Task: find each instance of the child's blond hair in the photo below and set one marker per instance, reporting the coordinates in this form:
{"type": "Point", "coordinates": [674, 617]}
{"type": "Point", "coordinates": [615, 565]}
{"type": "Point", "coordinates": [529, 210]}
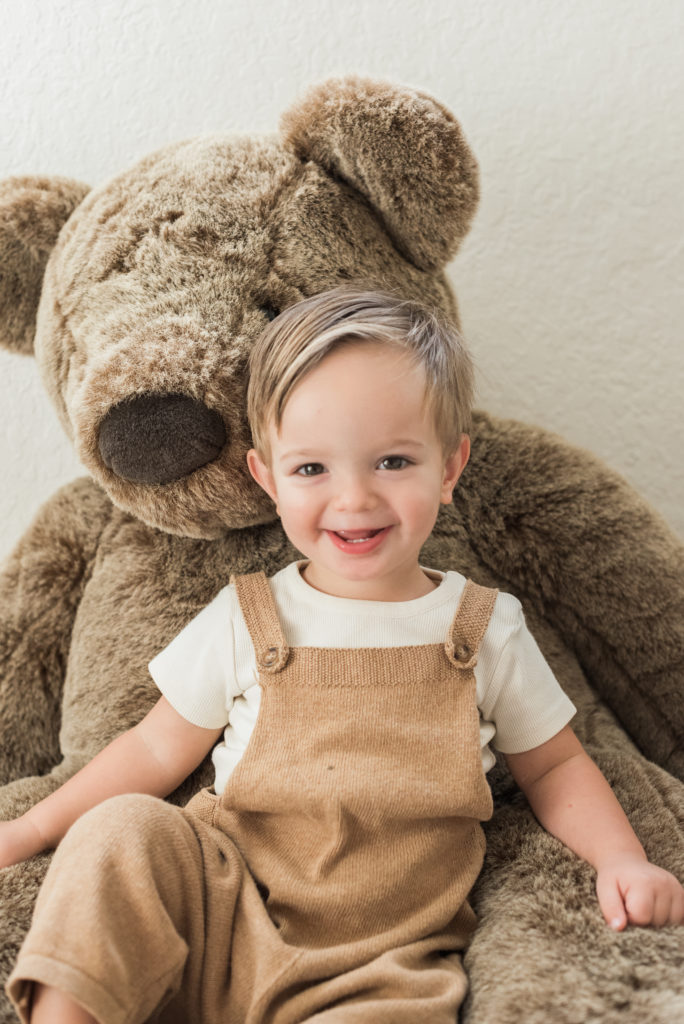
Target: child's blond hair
{"type": "Point", "coordinates": [299, 338]}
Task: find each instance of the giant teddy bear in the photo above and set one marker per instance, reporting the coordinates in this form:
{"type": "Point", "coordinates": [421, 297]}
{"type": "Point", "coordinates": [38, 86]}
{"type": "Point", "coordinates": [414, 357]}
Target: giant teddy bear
{"type": "Point", "coordinates": [140, 300]}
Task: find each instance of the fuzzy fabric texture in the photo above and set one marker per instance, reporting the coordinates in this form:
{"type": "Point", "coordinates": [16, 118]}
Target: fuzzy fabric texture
{"type": "Point", "coordinates": [153, 287]}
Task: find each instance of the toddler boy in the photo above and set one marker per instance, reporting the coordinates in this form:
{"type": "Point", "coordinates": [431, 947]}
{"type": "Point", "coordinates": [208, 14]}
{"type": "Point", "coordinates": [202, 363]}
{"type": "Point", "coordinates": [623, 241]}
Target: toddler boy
{"type": "Point", "coordinates": [354, 697]}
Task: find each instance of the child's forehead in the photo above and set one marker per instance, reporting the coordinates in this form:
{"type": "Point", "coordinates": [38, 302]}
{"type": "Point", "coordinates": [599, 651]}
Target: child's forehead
{"type": "Point", "coordinates": [363, 376]}
{"type": "Point", "coordinates": [359, 366]}
{"type": "Point", "coordinates": [362, 384]}
{"type": "Point", "coordinates": [353, 402]}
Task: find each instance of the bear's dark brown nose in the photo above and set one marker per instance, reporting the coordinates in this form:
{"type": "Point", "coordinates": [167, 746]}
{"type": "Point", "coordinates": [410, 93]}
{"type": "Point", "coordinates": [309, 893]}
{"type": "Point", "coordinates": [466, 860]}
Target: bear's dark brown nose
{"type": "Point", "coordinates": [156, 439]}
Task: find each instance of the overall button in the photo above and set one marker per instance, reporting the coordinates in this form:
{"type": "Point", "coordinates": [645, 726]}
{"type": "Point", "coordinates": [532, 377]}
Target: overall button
{"type": "Point", "coordinates": [269, 656]}
{"type": "Point", "coordinates": [272, 659]}
{"type": "Point", "coordinates": [460, 654]}
{"type": "Point", "coordinates": [463, 653]}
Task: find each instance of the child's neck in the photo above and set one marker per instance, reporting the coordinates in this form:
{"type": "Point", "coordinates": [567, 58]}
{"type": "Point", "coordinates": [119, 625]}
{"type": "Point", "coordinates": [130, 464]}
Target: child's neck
{"type": "Point", "coordinates": [404, 587]}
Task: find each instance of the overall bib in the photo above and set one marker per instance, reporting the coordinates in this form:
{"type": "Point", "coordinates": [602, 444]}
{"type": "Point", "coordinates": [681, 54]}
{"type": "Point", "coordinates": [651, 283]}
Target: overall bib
{"type": "Point", "coordinates": [328, 882]}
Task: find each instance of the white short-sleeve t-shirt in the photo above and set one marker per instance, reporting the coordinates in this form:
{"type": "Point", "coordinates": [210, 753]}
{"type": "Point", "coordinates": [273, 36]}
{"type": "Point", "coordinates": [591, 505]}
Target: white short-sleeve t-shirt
{"type": "Point", "coordinates": [208, 673]}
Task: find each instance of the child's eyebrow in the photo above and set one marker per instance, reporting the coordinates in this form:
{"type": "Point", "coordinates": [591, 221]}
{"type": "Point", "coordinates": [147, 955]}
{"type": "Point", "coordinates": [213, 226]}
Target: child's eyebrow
{"type": "Point", "coordinates": [299, 453]}
{"type": "Point", "coordinates": [405, 443]}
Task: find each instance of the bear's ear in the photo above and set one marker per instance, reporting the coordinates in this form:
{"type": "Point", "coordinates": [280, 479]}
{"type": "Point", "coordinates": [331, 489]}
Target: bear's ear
{"type": "Point", "coordinates": [402, 150]}
{"type": "Point", "coordinates": [32, 213]}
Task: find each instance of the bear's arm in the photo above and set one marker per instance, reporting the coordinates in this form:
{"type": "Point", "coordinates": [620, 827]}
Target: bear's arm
{"type": "Point", "coordinates": [570, 535]}
{"type": "Point", "coordinates": [41, 585]}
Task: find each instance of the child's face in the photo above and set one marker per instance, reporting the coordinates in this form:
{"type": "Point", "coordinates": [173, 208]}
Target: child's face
{"type": "Point", "coordinates": [357, 472]}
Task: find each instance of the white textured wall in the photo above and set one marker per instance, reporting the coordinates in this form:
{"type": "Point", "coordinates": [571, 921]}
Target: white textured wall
{"type": "Point", "coordinates": [571, 281]}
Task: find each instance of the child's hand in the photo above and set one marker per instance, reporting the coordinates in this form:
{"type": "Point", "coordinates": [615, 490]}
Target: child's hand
{"type": "Point", "coordinates": [573, 801]}
{"type": "Point", "coordinates": [19, 839]}
{"type": "Point", "coordinates": [631, 890]}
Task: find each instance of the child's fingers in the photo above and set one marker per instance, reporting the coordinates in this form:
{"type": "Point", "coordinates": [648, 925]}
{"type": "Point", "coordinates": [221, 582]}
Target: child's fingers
{"type": "Point", "coordinates": [640, 905]}
{"type": "Point", "coordinates": [662, 906]}
{"type": "Point", "coordinates": [611, 903]}
{"type": "Point", "coordinates": [677, 908]}
{"type": "Point", "coordinates": [673, 906]}
{"type": "Point", "coordinates": [640, 895]}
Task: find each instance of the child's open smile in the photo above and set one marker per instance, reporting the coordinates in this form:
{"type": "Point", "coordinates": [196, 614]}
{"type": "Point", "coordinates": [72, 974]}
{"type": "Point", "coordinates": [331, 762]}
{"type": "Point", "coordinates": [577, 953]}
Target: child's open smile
{"type": "Point", "coordinates": [358, 542]}
{"type": "Point", "coordinates": [358, 472]}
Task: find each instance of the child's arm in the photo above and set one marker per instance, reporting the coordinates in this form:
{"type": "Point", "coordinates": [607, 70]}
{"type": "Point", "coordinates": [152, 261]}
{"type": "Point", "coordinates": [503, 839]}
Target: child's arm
{"type": "Point", "coordinates": [573, 801]}
{"type": "Point", "coordinates": [154, 757]}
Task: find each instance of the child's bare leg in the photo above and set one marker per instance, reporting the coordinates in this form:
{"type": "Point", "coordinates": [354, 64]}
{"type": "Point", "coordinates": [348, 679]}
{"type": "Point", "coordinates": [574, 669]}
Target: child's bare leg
{"type": "Point", "coordinates": [50, 1006]}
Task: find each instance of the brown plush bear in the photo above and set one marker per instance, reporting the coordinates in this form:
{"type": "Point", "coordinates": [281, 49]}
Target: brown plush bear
{"type": "Point", "coordinates": [141, 300]}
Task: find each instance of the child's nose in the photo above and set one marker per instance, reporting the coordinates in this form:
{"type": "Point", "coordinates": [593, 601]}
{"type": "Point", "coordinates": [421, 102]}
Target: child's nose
{"type": "Point", "coordinates": [355, 495]}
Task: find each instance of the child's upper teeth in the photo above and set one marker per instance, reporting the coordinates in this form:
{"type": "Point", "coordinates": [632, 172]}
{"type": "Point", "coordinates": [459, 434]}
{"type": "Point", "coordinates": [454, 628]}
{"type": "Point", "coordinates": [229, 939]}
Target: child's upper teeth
{"type": "Point", "coordinates": [347, 535]}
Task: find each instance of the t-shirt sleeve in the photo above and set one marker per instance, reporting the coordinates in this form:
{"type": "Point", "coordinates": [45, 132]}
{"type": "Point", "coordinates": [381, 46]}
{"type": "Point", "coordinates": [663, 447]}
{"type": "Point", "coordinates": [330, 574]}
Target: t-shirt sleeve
{"type": "Point", "coordinates": [196, 671]}
{"type": "Point", "coordinates": [524, 700]}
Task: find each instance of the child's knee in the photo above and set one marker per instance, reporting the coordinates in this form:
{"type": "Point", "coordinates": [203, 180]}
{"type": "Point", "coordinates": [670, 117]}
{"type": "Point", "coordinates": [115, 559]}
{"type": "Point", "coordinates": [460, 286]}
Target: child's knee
{"type": "Point", "coordinates": [121, 823]}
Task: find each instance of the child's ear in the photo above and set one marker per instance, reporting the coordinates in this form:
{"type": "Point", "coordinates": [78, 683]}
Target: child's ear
{"type": "Point", "coordinates": [453, 467]}
{"type": "Point", "coordinates": [261, 473]}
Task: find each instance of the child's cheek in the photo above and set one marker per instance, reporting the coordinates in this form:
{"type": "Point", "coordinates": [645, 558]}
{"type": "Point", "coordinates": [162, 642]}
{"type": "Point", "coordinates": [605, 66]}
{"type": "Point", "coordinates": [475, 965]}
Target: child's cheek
{"type": "Point", "coordinates": [300, 499]}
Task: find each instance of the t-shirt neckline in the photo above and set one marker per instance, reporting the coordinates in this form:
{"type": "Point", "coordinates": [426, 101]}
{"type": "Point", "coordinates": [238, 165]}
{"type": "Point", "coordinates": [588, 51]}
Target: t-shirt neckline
{"type": "Point", "coordinates": [301, 590]}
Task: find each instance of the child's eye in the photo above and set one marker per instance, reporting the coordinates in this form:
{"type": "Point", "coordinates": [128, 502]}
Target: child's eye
{"type": "Point", "coordinates": [393, 462]}
{"type": "Point", "coordinates": [310, 469]}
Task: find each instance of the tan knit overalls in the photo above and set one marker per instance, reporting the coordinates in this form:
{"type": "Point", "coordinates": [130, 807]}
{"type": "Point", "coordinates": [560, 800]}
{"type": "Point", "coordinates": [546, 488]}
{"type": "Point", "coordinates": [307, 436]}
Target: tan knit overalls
{"type": "Point", "coordinates": [328, 883]}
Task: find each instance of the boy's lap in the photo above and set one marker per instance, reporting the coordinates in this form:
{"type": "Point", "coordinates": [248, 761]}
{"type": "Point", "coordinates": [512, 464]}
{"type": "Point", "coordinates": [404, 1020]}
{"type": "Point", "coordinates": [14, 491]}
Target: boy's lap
{"type": "Point", "coordinates": [237, 961]}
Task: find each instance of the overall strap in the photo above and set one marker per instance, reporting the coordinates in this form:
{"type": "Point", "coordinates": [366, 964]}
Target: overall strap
{"type": "Point", "coordinates": [261, 618]}
{"type": "Point", "coordinates": [469, 625]}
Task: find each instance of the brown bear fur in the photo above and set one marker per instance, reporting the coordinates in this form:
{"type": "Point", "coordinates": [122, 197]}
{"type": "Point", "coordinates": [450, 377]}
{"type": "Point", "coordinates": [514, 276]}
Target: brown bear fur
{"type": "Point", "coordinates": [156, 284]}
